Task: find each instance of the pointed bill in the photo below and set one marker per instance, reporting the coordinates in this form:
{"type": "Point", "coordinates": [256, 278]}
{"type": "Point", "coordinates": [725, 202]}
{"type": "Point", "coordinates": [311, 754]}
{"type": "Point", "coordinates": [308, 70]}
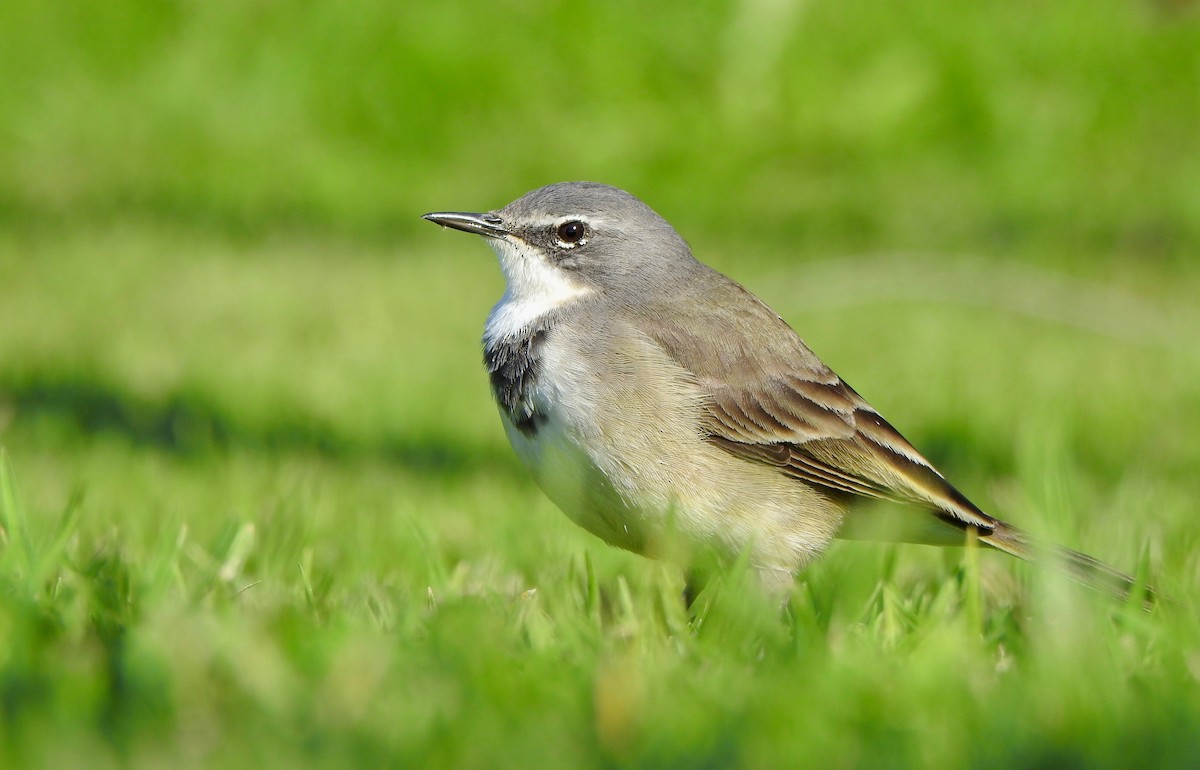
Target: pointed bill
{"type": "Point", "coordinates": [487, 225]}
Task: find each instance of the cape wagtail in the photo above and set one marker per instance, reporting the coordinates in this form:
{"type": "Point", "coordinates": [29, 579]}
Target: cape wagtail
{"type": "Point", "coordinates": [669, 411]}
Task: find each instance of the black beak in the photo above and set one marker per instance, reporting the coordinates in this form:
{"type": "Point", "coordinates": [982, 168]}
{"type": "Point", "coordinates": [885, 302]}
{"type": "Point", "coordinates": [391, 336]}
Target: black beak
{"type": "Point", "coordinates": [487, 225]}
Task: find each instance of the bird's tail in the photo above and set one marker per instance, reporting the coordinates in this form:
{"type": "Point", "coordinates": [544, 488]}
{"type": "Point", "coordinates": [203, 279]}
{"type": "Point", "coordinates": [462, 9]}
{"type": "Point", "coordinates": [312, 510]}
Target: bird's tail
{"type": "Point", "coordinates": [1080, 567]}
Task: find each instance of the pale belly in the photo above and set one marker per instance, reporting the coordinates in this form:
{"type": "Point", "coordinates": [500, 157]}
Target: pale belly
{"type": "Point", "coordinates": [580, 486]}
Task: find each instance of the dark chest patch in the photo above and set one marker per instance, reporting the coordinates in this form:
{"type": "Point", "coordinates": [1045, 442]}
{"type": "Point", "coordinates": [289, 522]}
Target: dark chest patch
{"type": "Point", "coordinates": [513, 364]}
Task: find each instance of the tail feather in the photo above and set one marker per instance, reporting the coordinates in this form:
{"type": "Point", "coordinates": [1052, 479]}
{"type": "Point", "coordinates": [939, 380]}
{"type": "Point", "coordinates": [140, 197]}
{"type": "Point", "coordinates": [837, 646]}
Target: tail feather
{"type": "Point", "coordinates": [1080, 567]}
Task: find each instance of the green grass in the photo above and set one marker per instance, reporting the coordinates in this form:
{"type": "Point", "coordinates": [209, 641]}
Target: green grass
{"type": "Point", "coordinates": [256, 507]}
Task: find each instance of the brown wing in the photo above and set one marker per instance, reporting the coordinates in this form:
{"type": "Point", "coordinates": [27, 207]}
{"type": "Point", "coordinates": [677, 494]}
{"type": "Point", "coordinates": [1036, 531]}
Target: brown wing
{"type": "Point", "coordinates": [826, 434]}
{"type": "Point", "coordinates": [769, 399]}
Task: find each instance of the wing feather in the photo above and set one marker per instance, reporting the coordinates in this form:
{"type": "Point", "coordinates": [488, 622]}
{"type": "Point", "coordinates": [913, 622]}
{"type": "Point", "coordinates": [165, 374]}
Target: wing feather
{"type": "Point", "coordinates": [775, 402]}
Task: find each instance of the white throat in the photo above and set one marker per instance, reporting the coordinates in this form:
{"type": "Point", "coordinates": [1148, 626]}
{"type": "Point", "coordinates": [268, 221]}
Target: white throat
{"type": "Point", "coordinates": [532, 289]}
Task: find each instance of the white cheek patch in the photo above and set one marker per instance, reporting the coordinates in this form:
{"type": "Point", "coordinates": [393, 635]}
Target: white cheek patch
{"type": "Point", "coordinates": [533, 288]}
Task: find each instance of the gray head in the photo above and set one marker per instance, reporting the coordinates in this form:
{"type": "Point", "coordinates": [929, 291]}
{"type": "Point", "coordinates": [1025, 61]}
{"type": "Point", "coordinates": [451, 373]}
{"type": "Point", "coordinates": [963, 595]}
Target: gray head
{"type": "Point", "coordinates": [574, 237]}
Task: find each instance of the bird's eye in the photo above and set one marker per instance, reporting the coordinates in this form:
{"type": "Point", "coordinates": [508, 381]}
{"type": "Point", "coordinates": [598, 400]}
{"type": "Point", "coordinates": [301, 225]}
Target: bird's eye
{"type": "Point", "coordinates": [572, 232]}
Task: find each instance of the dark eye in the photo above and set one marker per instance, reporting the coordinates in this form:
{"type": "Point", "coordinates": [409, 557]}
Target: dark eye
{"type": "Point", "coordinates": [572, 232]}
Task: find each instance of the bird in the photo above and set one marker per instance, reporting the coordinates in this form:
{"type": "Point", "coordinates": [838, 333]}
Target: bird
{"type": "Point", "coordinates": [670, 412]}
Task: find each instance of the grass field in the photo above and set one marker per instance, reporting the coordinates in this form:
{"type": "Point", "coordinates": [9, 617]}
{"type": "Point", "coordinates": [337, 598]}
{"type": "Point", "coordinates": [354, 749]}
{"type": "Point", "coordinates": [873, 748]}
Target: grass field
{"type": "Point", "coordinates": [257, 509]}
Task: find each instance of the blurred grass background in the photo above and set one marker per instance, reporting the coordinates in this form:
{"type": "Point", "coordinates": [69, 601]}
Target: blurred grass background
{"type": "Point", "coordinates": [257, 507]}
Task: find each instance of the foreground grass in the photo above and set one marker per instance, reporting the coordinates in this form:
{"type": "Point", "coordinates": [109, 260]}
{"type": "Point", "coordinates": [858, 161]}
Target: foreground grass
{"type": "Point", "coordinates": [305, 613]}
{"type": "Point", "coordinates": [238, 533]}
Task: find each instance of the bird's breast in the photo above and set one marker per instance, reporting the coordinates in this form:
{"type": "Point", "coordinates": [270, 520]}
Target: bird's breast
{"type": "Point", "coordinates": [547, 395]}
